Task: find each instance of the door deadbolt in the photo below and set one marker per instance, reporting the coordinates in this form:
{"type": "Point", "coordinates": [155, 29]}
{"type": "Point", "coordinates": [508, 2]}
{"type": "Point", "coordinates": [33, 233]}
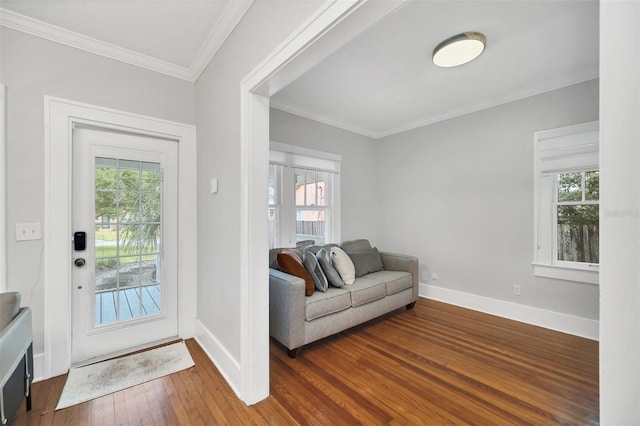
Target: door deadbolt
{"type": "Point", "coordinates": [79, 262]}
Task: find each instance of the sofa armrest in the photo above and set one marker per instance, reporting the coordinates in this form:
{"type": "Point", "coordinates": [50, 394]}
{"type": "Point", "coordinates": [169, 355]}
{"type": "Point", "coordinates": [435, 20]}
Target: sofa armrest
{"type": "Point", "coordinates": [403, 262]}
{"type": "Point", "coordinates": [286, 308]}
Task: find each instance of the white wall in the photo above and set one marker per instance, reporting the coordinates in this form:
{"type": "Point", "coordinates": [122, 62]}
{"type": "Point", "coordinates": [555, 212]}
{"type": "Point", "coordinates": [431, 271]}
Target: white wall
{"type": "Point", "coordinates": [620, 213]}
{"type": "Point", "coordinates": [359, 185]}
{"type": "Point", "coordinates": [262, 29]}
{"type": "Point", "coordinates": [459, 195]}
{"type": "Point", "coordinates": [31, 68]}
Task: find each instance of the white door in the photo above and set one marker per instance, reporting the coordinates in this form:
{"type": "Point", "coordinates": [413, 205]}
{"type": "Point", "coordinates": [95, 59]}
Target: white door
{"type": "Point", "coordinates": [125, 276]}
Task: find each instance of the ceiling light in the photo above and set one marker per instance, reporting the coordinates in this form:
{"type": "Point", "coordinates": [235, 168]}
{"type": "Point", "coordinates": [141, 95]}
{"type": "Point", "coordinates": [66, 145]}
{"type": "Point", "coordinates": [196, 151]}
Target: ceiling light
{"type": "Point", "coordinates": [459, 49]}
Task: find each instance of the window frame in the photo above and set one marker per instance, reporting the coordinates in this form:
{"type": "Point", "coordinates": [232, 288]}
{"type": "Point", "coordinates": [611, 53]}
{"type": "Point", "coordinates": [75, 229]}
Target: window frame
{"type": "Point", "coordinates": [291, 157]}
{"type": "Point", "coordinates": [545, 251]}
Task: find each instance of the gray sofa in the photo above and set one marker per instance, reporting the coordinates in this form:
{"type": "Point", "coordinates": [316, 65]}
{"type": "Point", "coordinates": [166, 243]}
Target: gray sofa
{"type": "Point", "coordinates": [296, 320]}
{"type": "Point", "coordinates": [16, 356]}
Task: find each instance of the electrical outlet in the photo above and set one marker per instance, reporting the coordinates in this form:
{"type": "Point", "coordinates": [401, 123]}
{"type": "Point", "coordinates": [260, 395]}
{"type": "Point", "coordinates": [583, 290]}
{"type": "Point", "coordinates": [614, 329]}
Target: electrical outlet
{"type": "Point", "coordinates": [516, 289]}
{"type": "Point", "coordinates": [434, 276]}
{"type": "Point", "coordinates": [28, 231]}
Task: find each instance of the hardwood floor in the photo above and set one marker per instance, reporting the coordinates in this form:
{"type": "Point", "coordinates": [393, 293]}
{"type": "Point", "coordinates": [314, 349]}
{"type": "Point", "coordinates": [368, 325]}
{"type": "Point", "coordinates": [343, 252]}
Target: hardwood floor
{"type": "Point", "coordinates": [435, 364]}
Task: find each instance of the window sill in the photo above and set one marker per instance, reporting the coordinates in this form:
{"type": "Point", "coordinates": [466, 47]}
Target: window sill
{"type": "Point", "coordinates": [564, 273]}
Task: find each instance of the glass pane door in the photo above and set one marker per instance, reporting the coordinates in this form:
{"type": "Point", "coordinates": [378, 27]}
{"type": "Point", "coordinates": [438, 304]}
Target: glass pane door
{"type": "Point", "coordinates": [127, 239]}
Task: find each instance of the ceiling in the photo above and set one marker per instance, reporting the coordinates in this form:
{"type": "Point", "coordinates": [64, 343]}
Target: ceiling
{"type": "Point", "coordinates": [380, 83]}
{"type": "Point", "coordinates": [175, 37]}
{"type": "Point", "coordinates": [383, 82]}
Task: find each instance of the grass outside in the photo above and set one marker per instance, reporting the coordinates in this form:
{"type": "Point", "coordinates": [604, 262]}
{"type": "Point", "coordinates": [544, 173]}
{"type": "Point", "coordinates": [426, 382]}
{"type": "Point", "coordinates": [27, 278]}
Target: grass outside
{"type": "Point", "coordinates": [106, 235]}
{"type": "Point", "coordinates": [106, 257]}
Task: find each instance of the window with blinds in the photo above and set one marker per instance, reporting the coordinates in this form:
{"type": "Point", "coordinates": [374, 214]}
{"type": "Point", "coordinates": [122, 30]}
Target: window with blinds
{"type": "Point", "coordinates": [567, 199]}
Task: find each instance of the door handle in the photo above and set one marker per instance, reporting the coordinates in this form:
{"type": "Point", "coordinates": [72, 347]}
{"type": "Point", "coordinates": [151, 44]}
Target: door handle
{"type": "Point", "coordinates": [79, 262]}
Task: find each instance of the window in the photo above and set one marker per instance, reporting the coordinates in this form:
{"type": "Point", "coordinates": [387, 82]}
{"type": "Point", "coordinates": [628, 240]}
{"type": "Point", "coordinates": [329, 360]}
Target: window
{"type": "Point", "coordinates": [567, 199]}
{"type": "Point", "coordinates": [304, 188]}
{"type": "Point", "coordinates": [275, 205]}
{"type": "Point", "coordinates": [577, 223]}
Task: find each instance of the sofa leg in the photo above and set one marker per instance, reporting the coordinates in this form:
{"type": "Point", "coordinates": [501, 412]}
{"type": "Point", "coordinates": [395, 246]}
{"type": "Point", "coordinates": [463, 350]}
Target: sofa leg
{"type": "Point", "coordinates": [293, 353]}
{"type": "Point", "coordinates": [411, 305]}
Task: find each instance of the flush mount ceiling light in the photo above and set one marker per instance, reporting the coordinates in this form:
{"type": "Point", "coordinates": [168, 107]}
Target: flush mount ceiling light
{"type": "Point", "coordinates": [459, 49]}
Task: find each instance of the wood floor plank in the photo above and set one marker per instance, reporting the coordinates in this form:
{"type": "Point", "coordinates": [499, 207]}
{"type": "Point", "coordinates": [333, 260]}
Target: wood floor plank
{"type": "Point", "coordinates": [329, 382]}
{"type": "Point", "coordinates": [434, 364]}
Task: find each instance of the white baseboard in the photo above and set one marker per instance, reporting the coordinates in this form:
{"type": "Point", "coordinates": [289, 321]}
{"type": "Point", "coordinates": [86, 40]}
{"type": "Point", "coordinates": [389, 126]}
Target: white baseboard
{"type": "Point", "coordinates": [227, 365]}
{"type": "Point", "coordinates": [38, 367]}
{"type": "Point", "coordinates": [565, 323]}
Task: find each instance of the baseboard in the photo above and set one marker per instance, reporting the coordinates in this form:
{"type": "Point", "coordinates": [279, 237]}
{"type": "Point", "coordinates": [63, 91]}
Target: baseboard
{"type": "Point", "coordinates": [38, 367]}
{"type": "Point", "coordinates": [220, 356]}
{"type": "Point", "coordinates": [565, 323]}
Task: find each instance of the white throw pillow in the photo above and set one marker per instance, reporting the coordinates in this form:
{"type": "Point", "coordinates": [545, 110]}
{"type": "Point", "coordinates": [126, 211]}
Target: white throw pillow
{"type": "Point", "coordinates": [343, 264]}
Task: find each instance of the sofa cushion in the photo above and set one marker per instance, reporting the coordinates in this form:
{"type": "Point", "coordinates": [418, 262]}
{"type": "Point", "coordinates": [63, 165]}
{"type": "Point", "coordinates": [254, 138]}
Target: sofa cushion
{"type": "Point", "coordinates": [356, 245]}
{"type": "Point", "coordinates": [343, 265]}
{"type": "Point", "coordinates": [396, 281]}
{"type": "Point", "coordinates": [321, 304]}
{"type": "Point", "coordinates": [289, 262]}
{"type": "Point", "coordinates": [9, 307]}
{"type": "Point", "coordinates": [304, 243]}
{"type": "Point", "coordinates": [313, 268]}
{"type": "Point", "coordinates": [366, 261]}
{"type": "Point", "coordinates": [324, 259]}
{"type": "Point", "coordinates": [365, 290]}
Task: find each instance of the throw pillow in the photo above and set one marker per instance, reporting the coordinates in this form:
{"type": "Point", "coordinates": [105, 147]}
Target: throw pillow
{"type": "Point", "coordinates": [313, 268]}
{"type": "Point", "coordinates": [343, 265]}
{"type": "Point", "coordinates": [290, 263]}
{"type": "Point", "coordinates": [366, 261]}
{"type": "Point", "coordinates": [324, 259]}
{"type": "Point", "coordinates": [273, 253]}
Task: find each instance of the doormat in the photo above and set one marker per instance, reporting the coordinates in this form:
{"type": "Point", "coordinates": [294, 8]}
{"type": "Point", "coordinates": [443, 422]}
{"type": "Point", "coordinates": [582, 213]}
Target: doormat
{"type": "Point", "coordinates": [102, 378]}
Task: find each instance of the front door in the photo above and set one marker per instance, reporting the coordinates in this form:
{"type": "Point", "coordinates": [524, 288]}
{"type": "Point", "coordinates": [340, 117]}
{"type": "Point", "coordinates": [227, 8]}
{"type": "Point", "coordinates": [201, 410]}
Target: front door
{"type": "Point", "coordinates": [125, 237]}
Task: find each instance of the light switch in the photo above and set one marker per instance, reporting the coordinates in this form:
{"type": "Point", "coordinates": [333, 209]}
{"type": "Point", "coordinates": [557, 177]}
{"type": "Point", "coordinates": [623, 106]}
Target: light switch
{"type": "Point", "coordinates": [214, 185]}
{"type": "Point", "coordinates": [28, 231]}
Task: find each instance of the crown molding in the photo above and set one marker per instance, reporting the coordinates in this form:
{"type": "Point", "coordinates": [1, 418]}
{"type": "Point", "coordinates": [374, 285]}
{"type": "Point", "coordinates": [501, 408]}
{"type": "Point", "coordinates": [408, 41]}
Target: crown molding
{"type": "Point", "coordinates": [321, 119]}
{"type": "Point", "coordinates": [60, 35]}
{"type": "Point", "coordinates": [232, 14]}
{"type": "Point", "coordinates": [523, 94]}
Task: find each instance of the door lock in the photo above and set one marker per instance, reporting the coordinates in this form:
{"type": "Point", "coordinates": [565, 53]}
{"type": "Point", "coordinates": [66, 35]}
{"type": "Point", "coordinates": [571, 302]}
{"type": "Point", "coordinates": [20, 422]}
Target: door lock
{"type": "Point", "coordinates": [79, 262]}
{"type": "Point", "coordinates": [79, 241]}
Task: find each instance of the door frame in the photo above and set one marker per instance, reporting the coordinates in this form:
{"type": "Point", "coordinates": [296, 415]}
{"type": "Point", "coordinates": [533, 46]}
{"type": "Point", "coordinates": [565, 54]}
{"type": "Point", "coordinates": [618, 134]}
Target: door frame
{"type": "Point", "coordinates": [60, 117]}
{"type": "Point", "coordinates": [3, 189]}
{"type": "Point", "coordinates": [331, 26]}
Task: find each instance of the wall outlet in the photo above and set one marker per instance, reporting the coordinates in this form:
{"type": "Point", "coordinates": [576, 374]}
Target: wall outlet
{"type": "Point", "coordinates": [516, 289]}
{"type": "Point", "coordinates": [28, 231]}
{"type": "Point", "coordinates": [434, 276]}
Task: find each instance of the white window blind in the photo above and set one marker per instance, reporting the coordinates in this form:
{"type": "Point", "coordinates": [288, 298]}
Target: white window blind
{"type": "Point", "coordinates": [572, 152]}
{"type": "Point", "coordinates": [303, 158]}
